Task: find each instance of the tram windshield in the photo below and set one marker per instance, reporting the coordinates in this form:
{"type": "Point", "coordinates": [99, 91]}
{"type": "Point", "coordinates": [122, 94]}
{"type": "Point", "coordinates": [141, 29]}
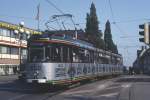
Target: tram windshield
{"type": "Point", "coordinates": [45, 54]}
{"type": "Point", "coordinates": [55, 53]}
{"type": "Point", "coordinates": [36, 54]}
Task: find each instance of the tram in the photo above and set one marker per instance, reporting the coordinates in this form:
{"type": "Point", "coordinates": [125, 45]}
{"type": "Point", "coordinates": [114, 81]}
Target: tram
{"type": "Point", "coordinates": [60, 60]}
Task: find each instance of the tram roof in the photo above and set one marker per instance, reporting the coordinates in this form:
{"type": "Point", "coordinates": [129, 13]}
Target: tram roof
{"type": "Point", "coordinates": [75, 42]}
{"type": "Point", "coordinates": [69, 41]}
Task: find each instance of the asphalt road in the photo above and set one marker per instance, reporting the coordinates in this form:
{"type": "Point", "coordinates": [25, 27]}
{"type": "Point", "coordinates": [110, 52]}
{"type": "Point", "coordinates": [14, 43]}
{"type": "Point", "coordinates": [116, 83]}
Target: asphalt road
{"type": "Point", "coordinates": [13, 89]}
{"type": "Point", "coordinates": [122, 88]}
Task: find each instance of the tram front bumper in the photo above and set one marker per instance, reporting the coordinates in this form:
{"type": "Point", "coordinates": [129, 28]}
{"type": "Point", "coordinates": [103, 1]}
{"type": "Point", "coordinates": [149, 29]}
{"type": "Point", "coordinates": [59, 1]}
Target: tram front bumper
{"type": "Point", "coordinates": [36, 80]}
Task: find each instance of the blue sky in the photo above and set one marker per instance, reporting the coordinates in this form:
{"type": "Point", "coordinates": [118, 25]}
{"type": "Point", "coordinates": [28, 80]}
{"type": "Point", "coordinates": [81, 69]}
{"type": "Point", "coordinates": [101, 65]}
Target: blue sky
{"type": "Point", "coordinates": [128, 14]}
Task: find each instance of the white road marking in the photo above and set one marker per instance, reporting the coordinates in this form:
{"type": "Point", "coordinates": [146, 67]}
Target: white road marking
{"type": "Point", "coordinates": [80, 96]}
{"type": "Point", "coordinates": [100, 87]}
{"type": "Point", "coordinates": [109, 95]}
{"type": "Point", "coordinates": [114, 87]}
{"type": "Point", "coordinates": [76, 92]}
{"type": "Point", "coordinates": [17, 97]}
{"type": "Point", "coordinates": [104, 95]}
{"type": "Point", "coordinates": [126, 85]}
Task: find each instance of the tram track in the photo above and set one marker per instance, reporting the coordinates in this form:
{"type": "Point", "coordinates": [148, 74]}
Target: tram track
{"type": "Point", "coordinates": [78, 85]}
{"type": "Point", "coordinates": [18, 90]}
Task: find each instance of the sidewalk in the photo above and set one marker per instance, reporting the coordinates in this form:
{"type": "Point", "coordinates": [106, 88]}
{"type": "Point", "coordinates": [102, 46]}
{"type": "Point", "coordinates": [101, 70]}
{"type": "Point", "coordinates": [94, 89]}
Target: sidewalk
{"type": "Point", "coordinates": [140, 91]}
{"type": "Point", "coordinates": [8, 78]}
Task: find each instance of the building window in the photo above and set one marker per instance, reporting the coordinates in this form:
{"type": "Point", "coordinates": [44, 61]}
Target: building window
{"type": "Point", "coordinates": [13, 34]}
{"type": "Point", "coordinates": [1, 31]}
{"type": "Point", "coordinates": [24, 52]}
{"type": "Point", "coordinates": [14, 51]}
{"type": "Point", "coordinates": [6, 32]}
{"type": "Point", "coordinates": [4, 50]}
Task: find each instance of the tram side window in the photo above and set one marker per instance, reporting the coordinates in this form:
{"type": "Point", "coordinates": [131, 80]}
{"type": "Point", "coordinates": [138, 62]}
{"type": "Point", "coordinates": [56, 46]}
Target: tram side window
{"type": "Point", "coordinates": [55, 54]}
{"type": "Point", "coordinates": [75, 55]}
{"type": "Point", "coordinates": [48, 53]}
{"type": "Point", "coordinates": [70, 55]}
{"type": "Point", "coordinates": [78, 55]}
{"type": "Point", "coordinates": [91, 57]}
{"type": "Point", "coordinates": [65, 54]}
{"type": "Point", "coordinates": [86, 58]}
{"type": "Point", "coordinates": [82, 55]}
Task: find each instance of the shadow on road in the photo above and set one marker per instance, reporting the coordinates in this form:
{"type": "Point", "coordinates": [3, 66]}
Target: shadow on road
{"type": "Point", "coordinates": [23, 87]}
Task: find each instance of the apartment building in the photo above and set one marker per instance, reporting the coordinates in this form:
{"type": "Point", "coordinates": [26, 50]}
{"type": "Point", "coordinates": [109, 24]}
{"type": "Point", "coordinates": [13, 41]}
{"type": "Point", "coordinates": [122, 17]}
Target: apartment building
{"type": "Point", "coordinates": [12, 45]}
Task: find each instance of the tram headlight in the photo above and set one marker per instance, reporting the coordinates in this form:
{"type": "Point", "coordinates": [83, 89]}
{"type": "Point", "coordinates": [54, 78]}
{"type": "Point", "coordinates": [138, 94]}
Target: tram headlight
{"type": "Point", "coordinates": [44, 77]}
{"type": "Point", "coordinates": [36, 73]}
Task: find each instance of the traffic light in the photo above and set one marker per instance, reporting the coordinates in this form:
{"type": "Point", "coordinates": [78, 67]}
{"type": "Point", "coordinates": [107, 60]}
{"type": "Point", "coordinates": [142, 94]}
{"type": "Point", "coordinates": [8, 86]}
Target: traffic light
{"type": "Point", "coordinates": [145, 33]}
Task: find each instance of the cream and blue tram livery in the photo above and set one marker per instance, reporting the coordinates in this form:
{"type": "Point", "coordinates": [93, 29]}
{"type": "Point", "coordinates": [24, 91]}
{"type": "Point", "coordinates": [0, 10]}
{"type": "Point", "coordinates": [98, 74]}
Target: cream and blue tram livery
{"type": "Point", "coordinates": [58, 60]}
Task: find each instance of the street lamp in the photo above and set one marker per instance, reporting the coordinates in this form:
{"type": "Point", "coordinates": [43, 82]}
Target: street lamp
{"type": "Point", "coordinates": [20, 31]}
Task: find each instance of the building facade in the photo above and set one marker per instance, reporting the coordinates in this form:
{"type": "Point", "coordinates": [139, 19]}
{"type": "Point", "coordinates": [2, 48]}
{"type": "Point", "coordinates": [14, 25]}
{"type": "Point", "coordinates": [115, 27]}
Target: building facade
{"type": "Point", "coordinates": [12, 45]}
{"type": "Point", "coordinates": [142, 63]}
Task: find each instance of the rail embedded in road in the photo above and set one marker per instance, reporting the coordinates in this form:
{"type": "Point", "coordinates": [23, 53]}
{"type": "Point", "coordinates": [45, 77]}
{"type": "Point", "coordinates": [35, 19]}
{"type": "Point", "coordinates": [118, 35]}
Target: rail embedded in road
{"type": "Point", "coordinates": [135, 78]}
